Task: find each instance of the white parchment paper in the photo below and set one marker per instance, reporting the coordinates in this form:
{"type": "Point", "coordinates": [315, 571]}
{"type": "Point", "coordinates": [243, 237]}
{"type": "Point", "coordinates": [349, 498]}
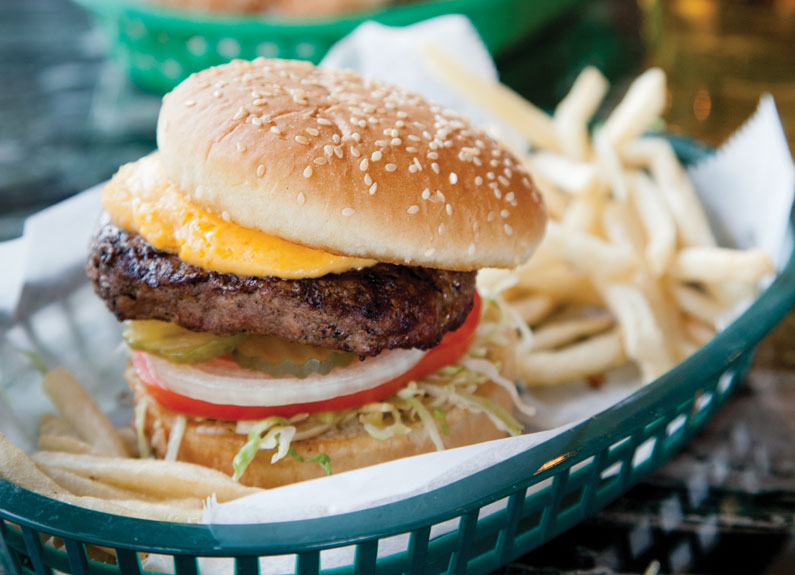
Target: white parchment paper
{"type": "Point", "coordinates": [747, 187]}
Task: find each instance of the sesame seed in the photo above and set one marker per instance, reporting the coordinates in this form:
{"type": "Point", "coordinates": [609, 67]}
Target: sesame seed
{"type": "Point", "coordinates": [308, 172]}
{"type": "Point", "coordinates": [413, 169]}
{"type": "Point", "coordinates": [336, 138]}
{"type": "Point", "coordinates": [503, 180]}
{"type": "Point", "coordinates": [356, 137]}
{"type": "Point", "coordinates": [413, 209]}
{"type": "Point", "coordinates": [497, 193]}
{"type": "Point", "coordinates": [300, 199]}
{"type": "Point", "coordinates": [368, 180]}
{"type": "Point", "coordinates": [490, 175]}
{"type": "Point", "coordinates": [312, 131]}
{"type": "Point", "coordinates": [218, 93]}
{"type": "Point", "coordinates": [364, 164]}
{"type": "Point", "coordinates": [402, 114]}
{"type": "Point", "coordinates": [396, 141]}
{"type": "Point", "coordinates": [429, 252]}
{"type": "Point", "coordinates": [380, 143]}
{"type": "Point", "coordinates": [510, 197]}
{"type": "Point", "coordinates": [508, 230]}
{"type": "Point", "coordinates": [417, 163]}
{"type": "Point", "coordinates": [526, 182]}
{"type": "Point", "coordinates": [426, 193]}
{"type": "Point", "coordinates": [275, 130]}
{"type": "Point", "coordinates": [441, 229]}
{"type": "Point", "coordinates": [347, 212]}
{"type": "Point", "coordinates": [376, 156]}
{"type": "Point", "coordinates": [338, 151]}
{"type": "Point", "coordinates": [301, 140]}
{"type": "Point", "coordinates": [435, 167]}
{"type": "Point", "coordinates": [260, 170]}
{"type": "Point", "coordinates": [427, 135]}
{"type": "Point", "coordinates": [390, 167]}
{"type": "Point", "coordinates": [400, 124]}
{"type": "Point", "coordinates": [362, 123]}
{"type": "Point", "coordinates": [189, 103]}
{"type": "Point", "coordinates": [449, 209]}
{"type": "Point", "coordinates": [241, 147]}
{"type": "Point", "coordinates": [453, 178]}
{"type": "Point", "coordinates": [260, 102]}
{"type": "Point", "coordinates": [373, 188]}
{"type": "Point", "coordinates": [320, 161]}
{"type": "Point", "coordinates": [478, 181]}
{"type": "Point", "coordinates": [508, 173]}
{"type": "Point", "coordinates": [355, 152]}
{"type": "Point", "coordinates": [440, 195]}
{"type": "Point", "coordinates": [494, 163]}
{"type": "Point", "coordinates": [414, 138]}
{"type": "Point", "coordinates": [505, 213]}
{"type": "Point", "coordinates": [411, 149]}
{"type": "Point", "coordinates": [257, 121]}
{"type": "Point", "coordinates": [328, 149]}
{"type": "Point", "coordinates": [323, 122]}
{"type": "Point", "coordinates": [225, 216]}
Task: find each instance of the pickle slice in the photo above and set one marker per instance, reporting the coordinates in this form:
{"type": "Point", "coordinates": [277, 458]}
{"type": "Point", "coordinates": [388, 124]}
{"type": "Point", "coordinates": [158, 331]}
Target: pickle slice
{"type": "Point", "coordinates": [175, 343]}
{"type": "Point", "coordinates": [281, 358]}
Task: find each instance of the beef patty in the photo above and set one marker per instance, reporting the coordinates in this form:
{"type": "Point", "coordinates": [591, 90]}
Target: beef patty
{"type": "Point", "coordinates": [363, 311]}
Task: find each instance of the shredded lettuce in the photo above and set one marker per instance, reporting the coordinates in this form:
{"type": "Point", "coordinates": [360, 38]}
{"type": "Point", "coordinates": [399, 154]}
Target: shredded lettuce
{"type": "Point", "coordinates": [36, 359]}
{"type": "Point", "coordinates": [493, 373]}
{"type": "Point", "coordinates": [321, 459]}
{"type": "Point", "coordinates": [175, 437]}
{"type": "Point", "coordinates": [442, 417]}
{"type": "Point", "coordinates": [427, 421]}
{"type": "Point", "coordinates": [140, 423]}
{"type": "Point", "coordinates": [500, 417]}
{"type": "Point", "coordinates": [273, 437]}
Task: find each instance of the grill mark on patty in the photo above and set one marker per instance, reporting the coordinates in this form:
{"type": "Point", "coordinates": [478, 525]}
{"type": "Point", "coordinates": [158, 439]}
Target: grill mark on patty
{"type": "Point", "coordinates": [362, 311]}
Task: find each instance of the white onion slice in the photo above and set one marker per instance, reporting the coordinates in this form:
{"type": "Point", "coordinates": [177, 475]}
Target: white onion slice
{"type": "Point", "coordinates": [215, 383]}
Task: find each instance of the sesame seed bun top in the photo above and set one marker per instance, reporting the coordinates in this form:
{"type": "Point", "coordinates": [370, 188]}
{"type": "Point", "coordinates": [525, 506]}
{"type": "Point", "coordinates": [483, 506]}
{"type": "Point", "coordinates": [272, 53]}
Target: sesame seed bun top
{"type": "Point", "coordinates": [353, 166]}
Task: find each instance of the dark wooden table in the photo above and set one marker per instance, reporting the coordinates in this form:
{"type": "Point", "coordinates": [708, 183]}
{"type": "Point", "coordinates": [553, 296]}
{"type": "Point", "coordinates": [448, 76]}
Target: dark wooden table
{"type": "Point", "coordinates": [726, 504]}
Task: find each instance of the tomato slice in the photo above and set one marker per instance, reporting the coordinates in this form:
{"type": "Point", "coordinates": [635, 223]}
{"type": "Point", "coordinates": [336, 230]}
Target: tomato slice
{"type": "Point", "coordinates": [454, 344]}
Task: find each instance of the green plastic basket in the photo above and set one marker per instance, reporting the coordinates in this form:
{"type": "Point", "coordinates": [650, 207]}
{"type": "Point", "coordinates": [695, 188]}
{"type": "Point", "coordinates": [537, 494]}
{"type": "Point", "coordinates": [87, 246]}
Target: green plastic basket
{"type": "Point", "coordinates": [545, 490]}
{"type": "Point", "coordinates": [159, 48]}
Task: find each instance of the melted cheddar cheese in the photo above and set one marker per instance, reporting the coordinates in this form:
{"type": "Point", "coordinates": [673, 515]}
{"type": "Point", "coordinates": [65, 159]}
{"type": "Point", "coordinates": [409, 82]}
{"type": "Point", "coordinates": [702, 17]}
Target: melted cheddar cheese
{"type": "Point", "coordinates": [140, 199]}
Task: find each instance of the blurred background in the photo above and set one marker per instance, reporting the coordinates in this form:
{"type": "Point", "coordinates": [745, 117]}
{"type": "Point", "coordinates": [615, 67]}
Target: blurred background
{"type": "Point", "coordinates": [70, 115]}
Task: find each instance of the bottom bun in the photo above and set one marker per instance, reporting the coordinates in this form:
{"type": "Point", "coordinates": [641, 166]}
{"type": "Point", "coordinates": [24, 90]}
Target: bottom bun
{"type": "Point", "coordinates": [214, 443]}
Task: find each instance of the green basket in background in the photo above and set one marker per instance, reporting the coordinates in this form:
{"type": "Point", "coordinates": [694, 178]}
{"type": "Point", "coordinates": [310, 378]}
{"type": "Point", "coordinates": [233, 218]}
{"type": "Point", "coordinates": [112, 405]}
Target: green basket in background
{"type": "Point", "coordinates": [158, 47]}
{"type": "Point", "coordinates": [543, 491]}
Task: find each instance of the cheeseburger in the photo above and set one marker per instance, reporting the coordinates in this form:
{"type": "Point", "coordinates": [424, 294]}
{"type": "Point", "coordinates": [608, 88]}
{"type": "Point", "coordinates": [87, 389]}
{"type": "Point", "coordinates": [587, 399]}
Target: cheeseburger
{"type": "Point", "coordinates": [296, 268]}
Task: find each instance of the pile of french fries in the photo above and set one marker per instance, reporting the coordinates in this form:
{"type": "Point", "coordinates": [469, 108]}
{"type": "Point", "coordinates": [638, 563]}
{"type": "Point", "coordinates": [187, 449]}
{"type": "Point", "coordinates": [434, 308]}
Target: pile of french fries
{"type": "Point", "coordinates": [86, 461]}
{"type": "Point", "coordinates": [629, 270]}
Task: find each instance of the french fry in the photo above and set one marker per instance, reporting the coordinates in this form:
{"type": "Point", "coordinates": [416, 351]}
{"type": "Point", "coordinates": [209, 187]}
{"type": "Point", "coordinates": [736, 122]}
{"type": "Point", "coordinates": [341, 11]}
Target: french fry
{"type": "Point", "coordinates": [134, 508]}
{"type": "Point", "coordinates": [705, 264]}
{"type": "Point", "coordinates": [610, 165]}
{"type": "Point", "coordinates": [83, 486]}
{"type": "Point", "coordinates": [20, 469]}
{"type": "Point", "coordinates": [643, 103]}
{"type": "Point", "coordinates": [533, 123]}
{"type": "Point", "coordinates": [697, 332]}
{"type": "Point", "coordinates": [66, 443]}
{"type": "Point", "coordinates": [575, 111]}
{"type": "Point", "coordinates": [571, 176]}
{"type": "Point", "coordinates": [643, 339]}
{"type": "Point", "coordinates": [697, 303]}
{"type": "Point", "coordinates": [588, 253]}
{"type": "Point", "coordinates": [657, 155]}
{"type": "Point", "coordinates": [77, 407]}
{"type": "Point", "coordinates": [534, 309]}
{"type": "Point", "coordinates": [563, 332]}
{"type": "Point", "coordinates": [583, 215]}
{"type": "Point", "coordinates": [621, 227]}
{"type": "Point", "coordinates": [160, 479]}
{"type": "Point", "coordinates": [592, 356]}
{"type": "Point", "coordinates": [51, 424]}
{"type": "Point", "coordinates": [558, 281]}
{"type": "Point", "coordinates": [657, 222]}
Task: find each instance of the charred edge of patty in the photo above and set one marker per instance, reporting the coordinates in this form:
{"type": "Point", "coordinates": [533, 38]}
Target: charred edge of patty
{"type": "Point", "coordinates": [362, 311]}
